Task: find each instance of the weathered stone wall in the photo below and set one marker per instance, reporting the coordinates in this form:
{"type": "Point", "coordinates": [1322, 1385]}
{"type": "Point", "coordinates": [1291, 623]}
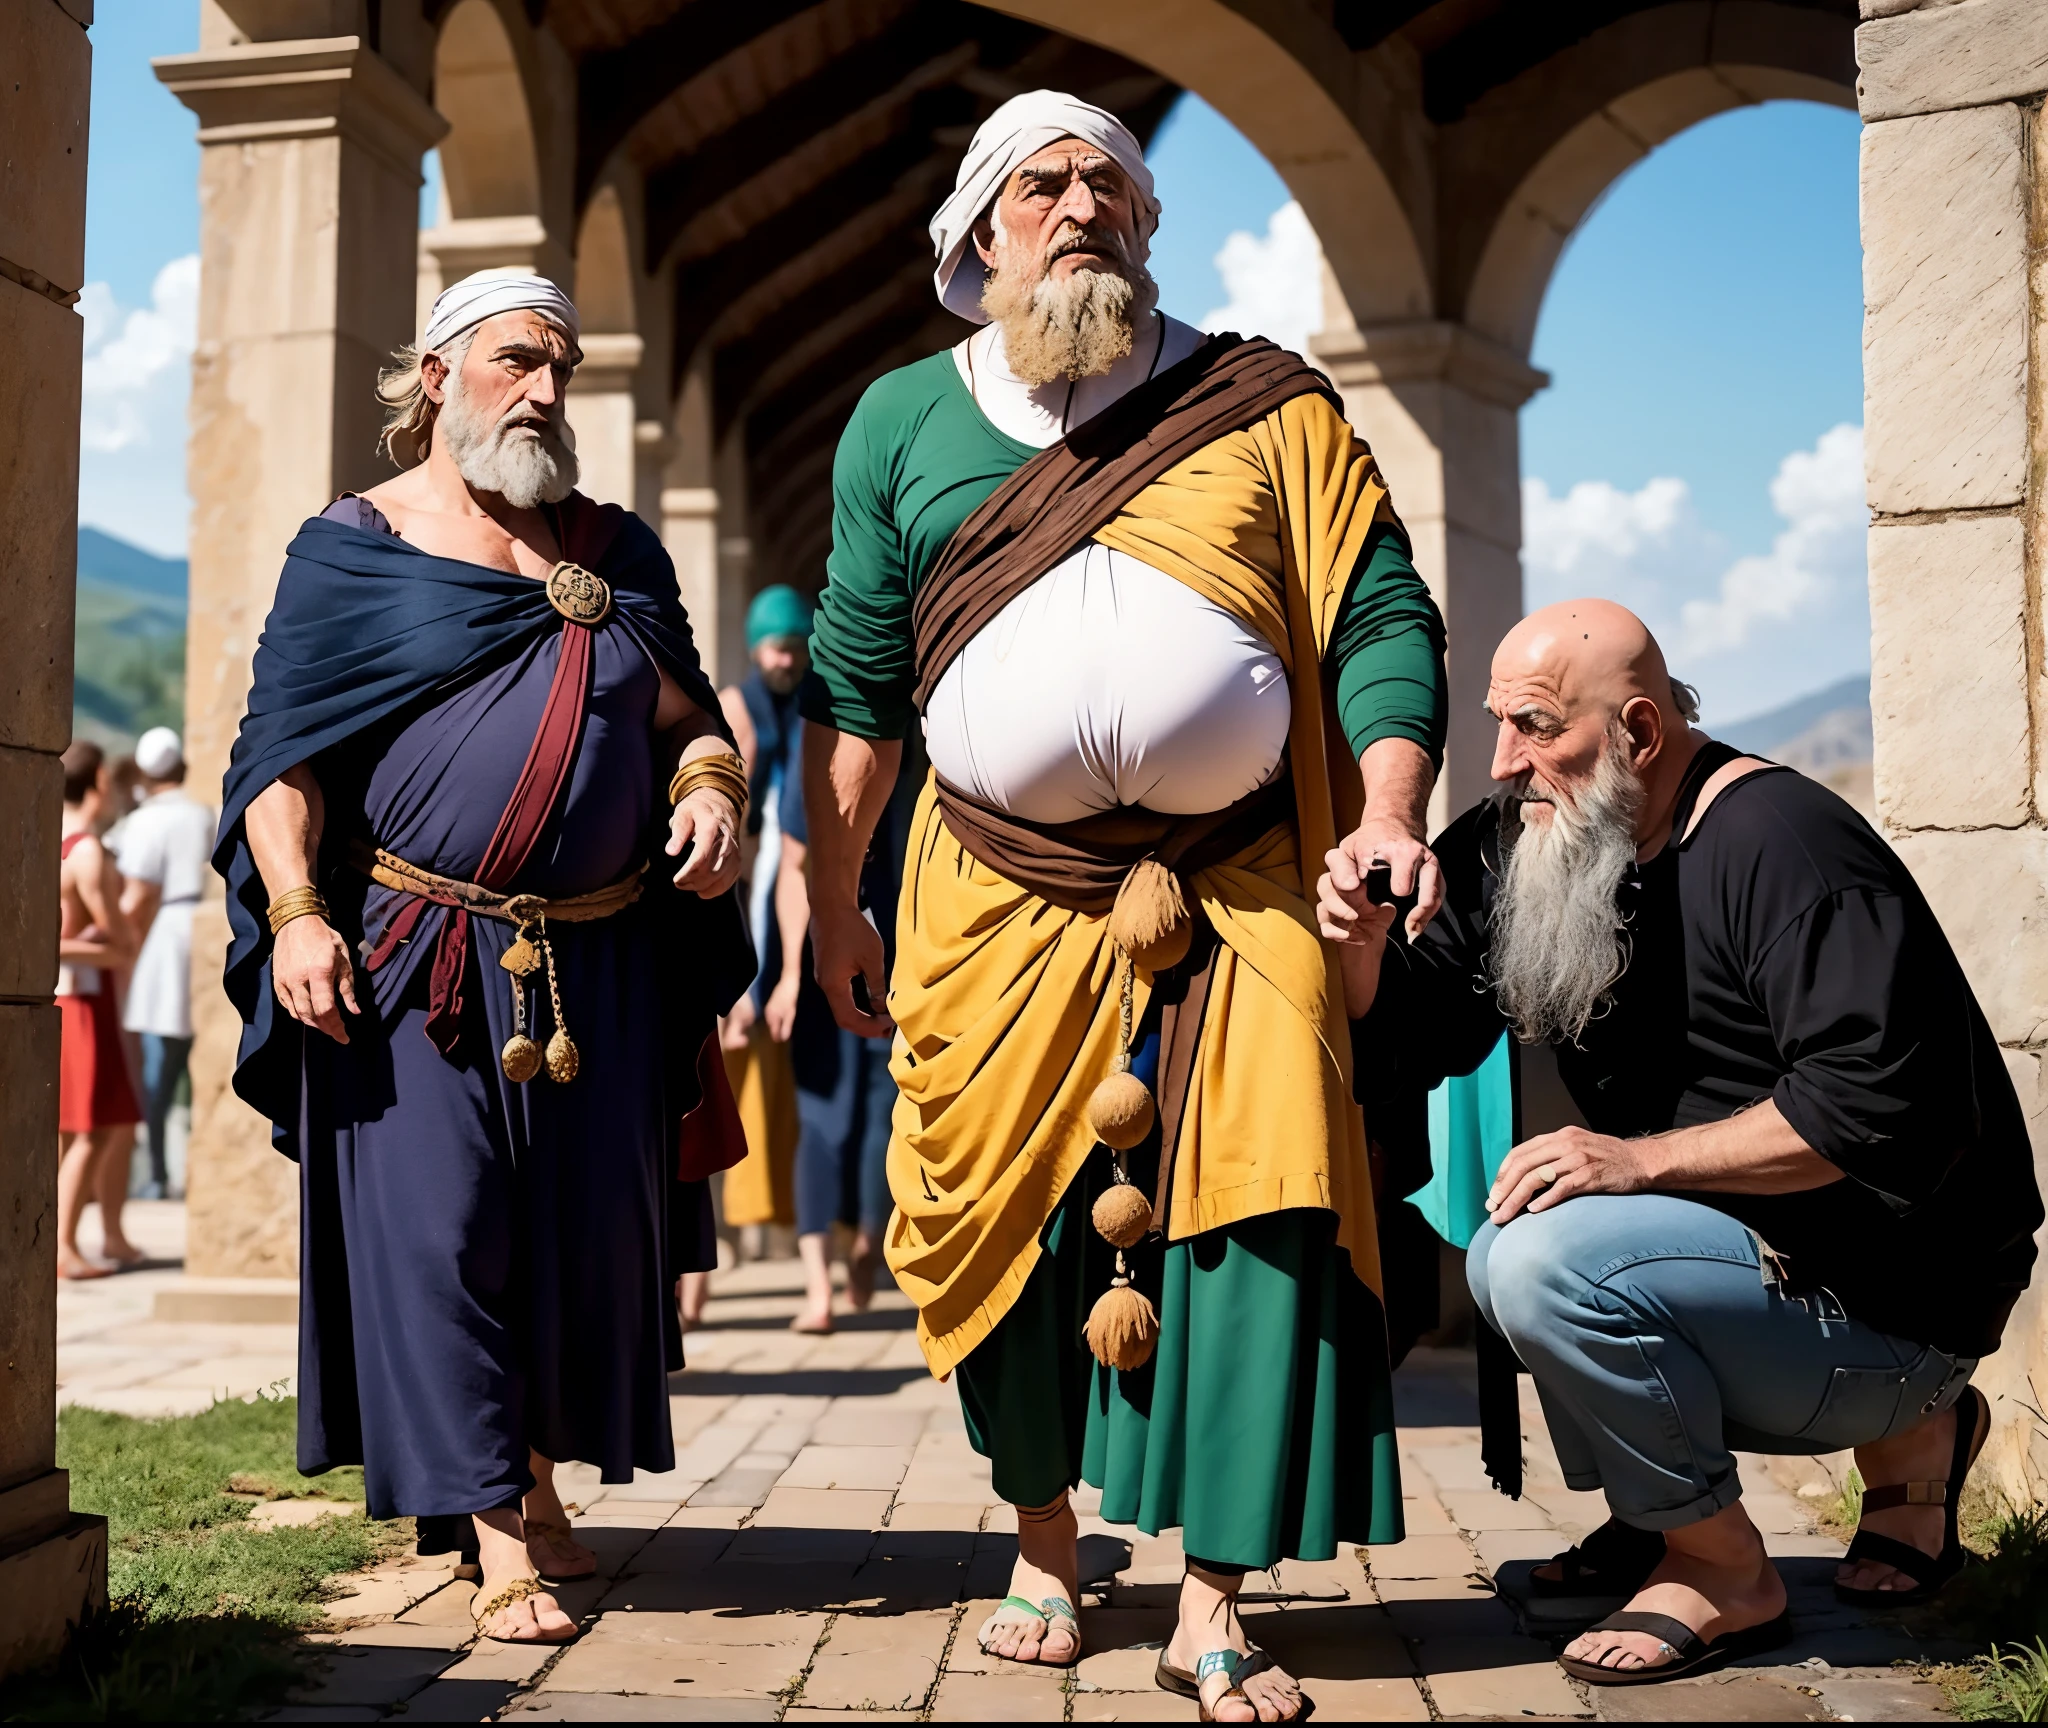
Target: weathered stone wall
{"type": "Point", "coordinates": [51, 1564]}
{"type": "Point", "coordinates": [1955, 238]}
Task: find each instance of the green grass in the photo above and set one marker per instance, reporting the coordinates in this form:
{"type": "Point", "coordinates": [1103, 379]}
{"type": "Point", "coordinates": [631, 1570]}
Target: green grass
{"type": "Point", "coordinates": [2006, 1686]}
{"type": "Point", "coordinates": [204, 1604]}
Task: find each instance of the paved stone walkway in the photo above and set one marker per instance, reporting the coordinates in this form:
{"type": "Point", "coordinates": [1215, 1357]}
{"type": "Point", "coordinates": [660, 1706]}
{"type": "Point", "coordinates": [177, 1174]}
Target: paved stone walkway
{"type": "Point", "coordinates": [828, 1543]}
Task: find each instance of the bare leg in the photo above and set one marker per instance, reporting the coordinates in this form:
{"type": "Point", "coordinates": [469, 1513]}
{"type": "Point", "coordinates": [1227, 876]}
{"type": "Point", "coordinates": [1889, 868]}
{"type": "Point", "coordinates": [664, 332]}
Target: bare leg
{"type": "Point", "coordinates": [1715, 1577]}
{"type": "Point", "coordinates": [75, 1170]}
{"type": "Point", "coordinates": [501, 1550]}
{"type": "Point", "coordinates": [1048, 1566]}
{"type": "Point", "coordinates": [691, 1294]}
{"type": "Point", "coordinates": [815, 1250]}
{"type": "Point", "coordinates": [550, 1542]}
{"type": "Point", "coordinates": [860, 1269]}
{"type": "Point", "coordinates": [110, 1188]}
{"type": "Point", "coordinates": [1209, 1621]}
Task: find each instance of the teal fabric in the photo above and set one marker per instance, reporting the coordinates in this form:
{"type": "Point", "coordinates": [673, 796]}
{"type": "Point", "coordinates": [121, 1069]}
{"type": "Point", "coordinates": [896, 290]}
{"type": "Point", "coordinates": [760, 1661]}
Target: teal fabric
{"type": "Point", "coordinates": [1263, 1426]}
{"type": "Point", "coordinates": [1471, 1130]}
{"type": "Point", "coordinates": [915, 461]}
{"type": "Point", "coordinates": [777, 611]}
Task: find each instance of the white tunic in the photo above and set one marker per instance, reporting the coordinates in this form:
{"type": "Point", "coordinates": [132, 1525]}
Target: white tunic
{"type": "Point", "coordinates": [1106, 682]}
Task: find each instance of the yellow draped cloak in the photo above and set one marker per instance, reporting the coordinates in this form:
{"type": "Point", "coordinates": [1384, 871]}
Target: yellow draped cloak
{"type": "Point", "coordinates": [1007, 1006]}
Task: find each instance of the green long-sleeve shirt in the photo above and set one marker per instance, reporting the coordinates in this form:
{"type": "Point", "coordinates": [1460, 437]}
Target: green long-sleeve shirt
{"type": "Point", "coordinates": [916, 460]}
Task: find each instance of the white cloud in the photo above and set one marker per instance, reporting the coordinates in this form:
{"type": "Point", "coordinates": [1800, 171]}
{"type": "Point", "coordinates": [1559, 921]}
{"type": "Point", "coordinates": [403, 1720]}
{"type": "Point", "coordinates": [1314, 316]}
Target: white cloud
{"type": "Point", "coordinates": [1752, 631]}
{"type": "Point", "coordinates": [1274, 280]}
{"type": "Point", "coordinates": [137, 378]}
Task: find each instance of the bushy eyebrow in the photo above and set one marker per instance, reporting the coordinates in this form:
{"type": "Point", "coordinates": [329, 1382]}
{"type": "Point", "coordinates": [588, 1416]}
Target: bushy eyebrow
{"type": "Point", "coordinates": [534, 352]}
{"type": "Point", "coordinates": [1039, 177]}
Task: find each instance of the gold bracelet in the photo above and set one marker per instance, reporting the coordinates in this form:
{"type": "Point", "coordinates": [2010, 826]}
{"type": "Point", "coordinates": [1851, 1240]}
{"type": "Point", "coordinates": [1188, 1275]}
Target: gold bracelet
{"type": "Point", "coordinates": [296, 903]}
{"type": "Point", "coordinates": [723, 772]}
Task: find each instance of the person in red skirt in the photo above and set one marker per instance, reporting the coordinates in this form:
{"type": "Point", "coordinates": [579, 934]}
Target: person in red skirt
{"type": "Point", "coordinates": [96, 1108]}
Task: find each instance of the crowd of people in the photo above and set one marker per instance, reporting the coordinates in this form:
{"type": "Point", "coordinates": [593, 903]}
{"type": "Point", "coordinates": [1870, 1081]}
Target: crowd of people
{"type": "Point", "coordinates": [134, 858]}
{"type": "Point", "coordinates": [1052, 906]}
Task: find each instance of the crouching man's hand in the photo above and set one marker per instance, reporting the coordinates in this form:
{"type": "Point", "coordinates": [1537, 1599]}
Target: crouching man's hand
{"type": "Point", "coordinates": [1551, 1168]}
{"type": "Point", "coordinates": [1358, 927]}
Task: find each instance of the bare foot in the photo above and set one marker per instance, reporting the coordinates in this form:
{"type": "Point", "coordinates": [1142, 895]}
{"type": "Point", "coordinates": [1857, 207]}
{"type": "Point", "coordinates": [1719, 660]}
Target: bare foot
{"type": "Point", "coordinates": [693, 1290]}
{"type": "Point", "coordinates": [550, 1539]}
{"type": "Point", "coordinates": [511, 1605]}
{"type": "Point", "coordinates": [1046, 1572]}
{"type": "Point", "coordinates": [810, 1320]}
{"type": "Point", "coordinates": [1715, 1577]}
{"type": "Point", "coordinates": [75, 1266]}
{"type": "Point", "coordinates": [1209, 1622]}
{"type": "Point", "coordinates": [1924, 1453]}
{"type": "Point", "coordinates": [124, 1254]}
{"type": "Point", "coordinates": [860, 1272]}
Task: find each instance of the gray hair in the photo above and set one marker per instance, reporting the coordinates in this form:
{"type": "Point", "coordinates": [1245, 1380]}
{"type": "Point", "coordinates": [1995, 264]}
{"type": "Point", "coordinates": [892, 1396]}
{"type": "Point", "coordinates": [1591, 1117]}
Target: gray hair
{"type": "Point", "coordinates": [409, 412]}
{"type": "Point", "coordinates": [1686, 700]}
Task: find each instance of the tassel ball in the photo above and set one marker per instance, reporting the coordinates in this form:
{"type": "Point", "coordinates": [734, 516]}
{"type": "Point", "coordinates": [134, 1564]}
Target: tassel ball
{"type": "Point", "coordinates": [520, 1058]}
{"type": "Point", "coordinates": [1150, 921]}
{"type": "Point", "coordinates": [1122, 1328]}
{"type": "Point", "coordinates": [562, 1058]}
{"type": "Point", "coordinates": [1120, 1111]}
{"type": "Point", "coordinates": [1122, 1215]}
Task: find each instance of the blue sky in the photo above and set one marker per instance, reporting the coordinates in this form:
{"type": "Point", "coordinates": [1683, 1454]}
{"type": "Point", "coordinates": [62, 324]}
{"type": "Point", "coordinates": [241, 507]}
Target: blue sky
{"type": "Point", "coordinates": [1694, 457]}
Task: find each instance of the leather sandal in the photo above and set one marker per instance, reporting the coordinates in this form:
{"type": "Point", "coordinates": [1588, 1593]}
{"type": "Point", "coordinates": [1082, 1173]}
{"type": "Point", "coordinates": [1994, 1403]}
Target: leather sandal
{"type": "Point", "coordinates": [1615, 1560]}
{"type": "Point", "coordinates": [1931, 1573]}
{"type": "Point", "coordinates": [1052, 1608]}
{"type": "Point", "coordinates": [519, 1590]}
{"type": "Point", "coordinates": [1689, 1652]}
{"type": "Point", "coordinates": [1238, 1666]}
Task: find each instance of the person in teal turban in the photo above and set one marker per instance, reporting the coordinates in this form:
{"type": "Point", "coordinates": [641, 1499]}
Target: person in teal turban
{"type": "Point", "coordinates": [779, 614]}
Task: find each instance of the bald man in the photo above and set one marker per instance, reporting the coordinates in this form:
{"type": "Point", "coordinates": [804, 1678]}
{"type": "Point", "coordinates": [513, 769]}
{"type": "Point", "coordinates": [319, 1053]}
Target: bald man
{"type": "Point", "coordinates": [1803, 1203]}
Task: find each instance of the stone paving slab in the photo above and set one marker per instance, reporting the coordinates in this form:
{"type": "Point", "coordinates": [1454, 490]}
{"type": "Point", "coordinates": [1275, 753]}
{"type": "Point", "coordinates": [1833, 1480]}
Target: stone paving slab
{"type": "Point", "coordinates": [829, 1542]}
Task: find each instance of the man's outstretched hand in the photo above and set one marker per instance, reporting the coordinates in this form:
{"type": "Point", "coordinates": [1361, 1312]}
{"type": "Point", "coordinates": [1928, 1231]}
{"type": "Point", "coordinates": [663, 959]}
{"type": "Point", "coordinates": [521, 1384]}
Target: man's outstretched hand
{"type": "Point", "coordinates": [845, 946]}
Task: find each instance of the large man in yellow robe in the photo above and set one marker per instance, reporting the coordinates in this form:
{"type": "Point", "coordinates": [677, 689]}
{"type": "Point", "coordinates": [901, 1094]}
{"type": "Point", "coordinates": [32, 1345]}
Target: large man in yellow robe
{"type": "Point", "coordinates": [1147, 593]}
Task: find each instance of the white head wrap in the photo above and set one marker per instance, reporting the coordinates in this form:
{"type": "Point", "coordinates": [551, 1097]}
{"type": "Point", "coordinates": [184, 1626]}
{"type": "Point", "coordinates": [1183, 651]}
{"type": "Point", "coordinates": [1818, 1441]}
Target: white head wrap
{"type": "Point", "coordinates": [158, 752]}
{"type": "Point", "coordinates": [1014, 133]}
{"type": "Point", "coordinates": [489, 292]}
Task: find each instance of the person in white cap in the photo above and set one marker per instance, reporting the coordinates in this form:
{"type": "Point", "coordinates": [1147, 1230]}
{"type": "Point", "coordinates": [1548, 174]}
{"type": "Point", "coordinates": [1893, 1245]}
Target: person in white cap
{"type": "Point", "coordinates": [165, 844]}
{"type": "Point", "coordinates": [480, 956]}
{"type": "Point", "coordinates": [1147, 595]}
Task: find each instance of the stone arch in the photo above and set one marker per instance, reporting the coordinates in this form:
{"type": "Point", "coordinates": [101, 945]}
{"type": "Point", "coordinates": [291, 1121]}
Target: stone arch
{"type": "Point", "coordinates": [1528, 162]}
{"type": "Point", "coordinates": [1285, 79]}
{"type": "Point", "coordinates": [490, 160]}
{"type": "Point", "coordinates": [604, 405]}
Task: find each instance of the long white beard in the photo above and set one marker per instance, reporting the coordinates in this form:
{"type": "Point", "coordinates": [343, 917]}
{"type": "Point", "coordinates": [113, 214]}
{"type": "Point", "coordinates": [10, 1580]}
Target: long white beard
{"type": "Point", "coordinates": [1559, 941]}
{"type": "Point", "coordinates": [1074, 328]}
{"type": "Point", "coordinates": [522, 468]}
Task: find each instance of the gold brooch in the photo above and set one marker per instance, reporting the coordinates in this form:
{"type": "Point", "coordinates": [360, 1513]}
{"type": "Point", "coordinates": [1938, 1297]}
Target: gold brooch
{"type": "Point", "coordinates": [579, 596]}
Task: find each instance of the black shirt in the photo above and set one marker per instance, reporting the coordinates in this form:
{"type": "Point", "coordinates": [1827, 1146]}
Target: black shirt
{"type": "Point", "coordinates": [1780, 951]}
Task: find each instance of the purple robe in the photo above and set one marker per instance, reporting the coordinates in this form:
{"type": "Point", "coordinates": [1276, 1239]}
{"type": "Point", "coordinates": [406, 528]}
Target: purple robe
{"type": "Point", "coordinates": [488, 1267]}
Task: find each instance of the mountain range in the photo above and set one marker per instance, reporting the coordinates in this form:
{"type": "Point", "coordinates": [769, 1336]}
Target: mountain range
{"type": "Point", "coordinates": [129, 641]}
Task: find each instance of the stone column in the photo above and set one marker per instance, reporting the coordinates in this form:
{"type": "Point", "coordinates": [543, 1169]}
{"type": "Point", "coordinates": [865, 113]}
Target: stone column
{"type": "Point", "coordinates": [460, 246]}
{"type": "Point", "coordinates": [704, 527]}
{"type": "Point", "coordinates": [604, 414]}
{"type": "Point", "coordinates": [1438, 402]}
{"type": "Point", "coordinates": [309, 215]}
{"type": "Point", "coordinates": [53, 1562]}
{"type": "Point", "coordinates": [1955, 362]}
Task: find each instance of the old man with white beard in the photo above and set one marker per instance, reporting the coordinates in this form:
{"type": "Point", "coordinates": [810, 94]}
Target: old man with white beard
{"type": "Point", "coordinates": [1146, 593]}
{"type": "Point", "coordinates": [480, 954]}
{"type": "Point", "coordinates": [1803, 1203]}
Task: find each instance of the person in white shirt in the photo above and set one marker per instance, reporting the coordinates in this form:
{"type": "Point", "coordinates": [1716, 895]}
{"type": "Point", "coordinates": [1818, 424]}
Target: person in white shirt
{"type": "Point", "coordinates": [165, 846]}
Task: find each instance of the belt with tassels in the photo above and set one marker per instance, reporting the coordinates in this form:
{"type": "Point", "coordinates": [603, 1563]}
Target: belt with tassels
{"type": "Point", "coordinates": [531, 951]}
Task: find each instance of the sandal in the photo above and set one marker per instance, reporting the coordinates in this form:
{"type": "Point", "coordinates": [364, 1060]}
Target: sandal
{"type": "Point", "coordinates": [549, 1533]}
{"type": "Point", "coordinates": [1051, 1609]}
{"type": "Point", "coordinates": [1616, 1560]}
{"type": "Point", "coordinates": [1931, 1573]}
{"type": "Point", "coordinates": [1238, 1667]}
{"type": "Point", "coordinates": [1690, 1653]}
{"type": "Point", "coordinates": [519, 1590]}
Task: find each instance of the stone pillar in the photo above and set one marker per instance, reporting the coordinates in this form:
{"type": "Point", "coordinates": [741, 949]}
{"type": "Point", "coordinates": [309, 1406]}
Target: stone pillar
{"type": "Point", "coordinates": [689, 529]}
{"type": "Point", "coordinates": [604, 414]}
{"type": "Point", "coordinates": [1438, 402]}
{"type": "Point", "coordinates": [460, 246]}
{"type": "Point", "coordinates": [1955, 363]}
{"type": "Point", "coordinates": [704, 527]}
{"type": "Point", "coordinates": [309, 215]}
{"type": "Point", "coordinates": [53, 1562]}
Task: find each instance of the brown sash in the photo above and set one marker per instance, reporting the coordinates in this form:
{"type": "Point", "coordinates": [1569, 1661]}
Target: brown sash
{"type": "Point", "coordinates": [1067, 491]}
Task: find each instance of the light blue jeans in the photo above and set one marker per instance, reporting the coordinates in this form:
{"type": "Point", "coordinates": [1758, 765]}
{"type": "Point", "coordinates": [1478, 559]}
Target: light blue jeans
{"type": "Point", "coordinates": [1659, 1338]}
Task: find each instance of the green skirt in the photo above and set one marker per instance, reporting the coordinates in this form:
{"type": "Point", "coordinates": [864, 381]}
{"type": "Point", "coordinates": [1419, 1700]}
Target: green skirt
{"type": "Point", "coordinates": [1263, 1426]}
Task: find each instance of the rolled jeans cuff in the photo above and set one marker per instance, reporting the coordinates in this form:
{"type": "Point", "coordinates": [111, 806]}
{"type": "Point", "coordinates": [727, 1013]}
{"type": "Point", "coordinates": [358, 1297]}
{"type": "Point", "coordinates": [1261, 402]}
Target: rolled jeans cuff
{"type": "Point", "coordinates": [1698, 1510]}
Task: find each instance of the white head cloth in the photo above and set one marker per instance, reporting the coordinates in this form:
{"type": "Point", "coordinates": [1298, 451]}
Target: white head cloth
{"type": "Point", "coordinates": [1016, 131]}
{"type": "Point", "coordinates": [158, 752]}
{"type": "Point", "coordinates": [489, 292]}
